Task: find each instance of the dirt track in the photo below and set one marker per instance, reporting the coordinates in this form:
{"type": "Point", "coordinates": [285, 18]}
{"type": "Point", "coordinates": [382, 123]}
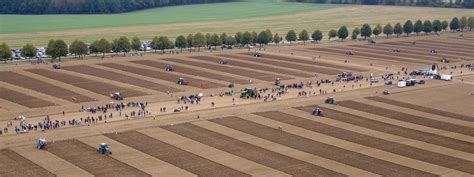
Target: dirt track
{"type": "Point", "coordinates": [320, 149]}
{"type": "Point", "coordinates": [265, 157]}
{"type": "Point", "coordinates": [88, 70]}
{"type": "Point", "coordinates": [87, 158]}
{"type": "Point", "coordinates": [231, 70]}
{"type": "Point", "coordinates": [173, 155]}
{"type": "Point", "coordinates": [43, 87]}
{"type": "Point", "coordinates": [13, 165]}
{"type": "Point", "coordinates": [253, 66]}
{"type": "Point", "coordinates": [23, 99]}
{"type": "Point", "coordinates": [422, 108]}
{"type": "Point", "coordinates": [307, 68]}
{"type": "Point", "coordinates": [407, 117]}
{"type": "Point", "coordinates": [171, 77]}
{"type": "Point", "coordinates": [91, 85]}
{"type": "Point", "coordinates": [395, 130]}
{"type": "Point", "coordinates": [422, 48]}
{"type": "Point", "coordinates": [191, 71]}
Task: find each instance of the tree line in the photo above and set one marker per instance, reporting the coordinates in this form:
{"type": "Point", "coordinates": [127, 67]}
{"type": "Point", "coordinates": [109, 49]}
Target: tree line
{"type": "Point", "coordinates": [88, 6]}
{"type": "Point", "coordinates": [59, 48]}
{"type": "Point", "coordinates": [430, 3]}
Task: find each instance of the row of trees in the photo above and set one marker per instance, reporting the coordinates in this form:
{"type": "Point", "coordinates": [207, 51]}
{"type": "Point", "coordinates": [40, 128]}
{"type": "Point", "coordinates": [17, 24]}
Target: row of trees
{"type": "Point", "coordinates": [432, 3]}
{"type": "Point", "coordinates": [59, 48]}
{"type": "Point", "coordinates": [87, 6]}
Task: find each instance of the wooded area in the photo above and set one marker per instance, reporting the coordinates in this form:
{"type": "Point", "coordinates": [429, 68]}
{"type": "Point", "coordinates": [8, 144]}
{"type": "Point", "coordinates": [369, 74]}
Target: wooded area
{"type": "Point", "coordinates": [88, 6]}
{"type": "Point", "coordinates": [431, 3]}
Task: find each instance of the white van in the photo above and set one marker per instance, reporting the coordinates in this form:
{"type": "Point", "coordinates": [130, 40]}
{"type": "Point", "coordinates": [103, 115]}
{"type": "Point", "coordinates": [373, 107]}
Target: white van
{"type": "Point", "coordinates": [401, 84]}
{"type": "Point", "coordinates": [446, 77]}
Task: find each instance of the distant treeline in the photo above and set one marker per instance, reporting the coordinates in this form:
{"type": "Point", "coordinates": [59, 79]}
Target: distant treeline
{"type": "Point", "coordinates": [432, 3]}
{"type": "Point", "coordinates": [88, 6]}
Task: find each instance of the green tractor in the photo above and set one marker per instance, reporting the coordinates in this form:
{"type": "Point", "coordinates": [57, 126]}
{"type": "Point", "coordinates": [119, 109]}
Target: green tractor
{"type": "Point", "coordinates": [249, 93]}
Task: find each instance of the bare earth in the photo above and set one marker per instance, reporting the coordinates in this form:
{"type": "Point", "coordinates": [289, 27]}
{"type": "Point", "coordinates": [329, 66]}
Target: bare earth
{"type": "Point", "coordinates": [424, 130]}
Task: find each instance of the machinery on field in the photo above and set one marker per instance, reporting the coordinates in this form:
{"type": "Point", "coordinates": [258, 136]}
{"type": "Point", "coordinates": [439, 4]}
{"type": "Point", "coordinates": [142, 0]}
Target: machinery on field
{"type": "Point", "coordinates": [181, 81]}
{"type": "Point", "coordinates": [116, 96]}
{"type": "Point", "coordinates": [277, 82]}
{"type": "Point", "coordinates": [169, 68]}
{"type": "Point", "coordinates": [433, 50]}
{"type": "Point", "coordinates": [257, 54]}
{"type": "Point", "coordinates": [330, 100]}
{"type": "Point", "coordinates": [56, 66]}
{"type": "Point", "coordinates": [222, 61]}
{"type": "Point", "coordinates": [385, 92]}
{"type": "Point", "coordinates": [371, 41]}
{"type": "Point", "coordinates": [104, 149]}
{"type": "Point", "coordinates": [396, 50]}
{"type": "Point", "coordinates": [231, 85]}
{"type": "Point", "coordinates": [444, 60]}
{"type": "Point", "coordinates": [317, 112]}
{"type": "Point", "coordinates": [249, 93]}
{"type": "Point", "coordinates": [349, 52]}
{"type": "Point", "coordinates": [41, 144]}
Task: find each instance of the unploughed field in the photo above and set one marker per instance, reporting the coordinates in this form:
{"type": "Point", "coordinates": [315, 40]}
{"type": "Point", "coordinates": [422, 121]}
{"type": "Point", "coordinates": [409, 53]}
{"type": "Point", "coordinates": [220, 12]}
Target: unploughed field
{"type": "Point", "coordinates": [426, 130]}
{"type": "Point", "coordinates": [280, 17]}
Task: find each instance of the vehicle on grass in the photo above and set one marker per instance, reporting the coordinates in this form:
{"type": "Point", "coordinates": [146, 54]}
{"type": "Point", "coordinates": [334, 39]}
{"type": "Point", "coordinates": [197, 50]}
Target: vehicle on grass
{"type": "Point", "coordinates": [57, 66]}
{"type": "Point", "coordinates": [181, 81]}
{"type": "Point", "coordinates": [41, 144]}
{"type": "Point", "coordinates": [116, 96]}
{"type": "Point", "coordinates": [104, 149]}
{"type": "Point", "coordinates": [169, 68]}
{"type": "Point", "coordinates": [249, 93]}
{"type": "Point", "coordinates": [330, 100]}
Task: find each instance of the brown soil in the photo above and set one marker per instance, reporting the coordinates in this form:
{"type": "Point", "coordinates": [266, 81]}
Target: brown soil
{"type": "Point", "coordinates": [408, 52]}
{"type": "Point", "coordinates": [22, 99]}
{"type": "Point", "coordinates": [407, 117]}
{"type": "Point", "coordinates": [425, 48]}
{"type": "Point", "coordinates": [386, 52]}
{"type": "Point", "coordinates": [231, 70]}
{"type": "Point", "coordinates": [335, 153]}
{"type": "Point", "coordinates": [307, 68]}
{"type": "Point", "coordinates": [88, 70]}
{"type": "Point", "coordinates": [191, 71]}
{"type": "Point", "coordinates": [242, 149]}
{"type": "Point", "coordinates": [307, 62]}
{"type": "Point", "coordinates": [339, 51]}
{"type": "Point", "coordinates": [445, 47]}
{"type": "Point", "coordinates": [43, 87]}
{"type": "Point", "coordinates": [447, 42]}
{"type": "Point", "coordinates": [378, 143]}
{"type": "Point", "coordinates": [13, 165]}
{"type": "Point", "coordinates": [395, 130]}
{"type": "Point", "coordinates": [254, 66]}
{"type": "Point", "coordinates": [87, 158]}
{"type": "Point", "coordinates": [174, 155]}
{"type": "Point", "coordinates": [167, 76]}
{"type": "Point", "coordinates": [91, 85]}
{"type": "Point", "coordinates": [423, 109]}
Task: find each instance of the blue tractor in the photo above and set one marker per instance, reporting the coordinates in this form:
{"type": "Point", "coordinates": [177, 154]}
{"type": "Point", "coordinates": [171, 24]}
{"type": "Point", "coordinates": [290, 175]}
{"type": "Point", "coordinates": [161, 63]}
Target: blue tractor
{"type": "Point", "coordinates": [104, 149]}
{"type": "Point", "coordinates": [41, 144]}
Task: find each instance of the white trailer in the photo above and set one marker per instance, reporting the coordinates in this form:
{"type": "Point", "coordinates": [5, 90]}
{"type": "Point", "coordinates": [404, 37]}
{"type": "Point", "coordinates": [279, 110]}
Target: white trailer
{"type": "Point", "coordinates": [446, 77]}
{"type": "Point", "coordinates": [401, 84]}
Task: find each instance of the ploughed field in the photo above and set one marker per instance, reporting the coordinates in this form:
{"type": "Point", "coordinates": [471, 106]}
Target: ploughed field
{"type": "Point", "coordinates": [365, 136]}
